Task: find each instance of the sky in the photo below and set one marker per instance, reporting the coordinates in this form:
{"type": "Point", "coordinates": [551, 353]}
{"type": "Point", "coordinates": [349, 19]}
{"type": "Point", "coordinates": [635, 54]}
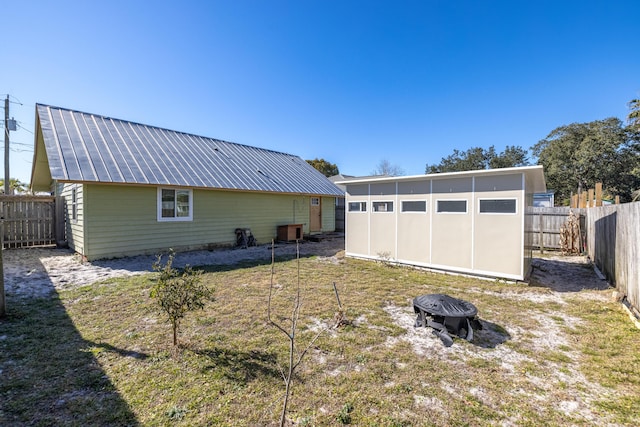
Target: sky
{"type": "Point", "coordinates": [352, 82]}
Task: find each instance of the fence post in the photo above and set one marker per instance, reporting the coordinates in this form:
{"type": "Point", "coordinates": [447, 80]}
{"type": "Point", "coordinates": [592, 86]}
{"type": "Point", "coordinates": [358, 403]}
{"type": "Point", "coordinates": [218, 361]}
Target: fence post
{"type": "Point", "coordinates": [3, 306]}
{"type": "Point", "coordinates": [541, 235]}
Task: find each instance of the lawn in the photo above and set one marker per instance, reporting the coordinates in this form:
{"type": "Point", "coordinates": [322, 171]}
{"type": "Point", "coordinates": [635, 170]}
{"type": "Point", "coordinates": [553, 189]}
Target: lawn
{"type": "Point", "coordinates": [102, 354]}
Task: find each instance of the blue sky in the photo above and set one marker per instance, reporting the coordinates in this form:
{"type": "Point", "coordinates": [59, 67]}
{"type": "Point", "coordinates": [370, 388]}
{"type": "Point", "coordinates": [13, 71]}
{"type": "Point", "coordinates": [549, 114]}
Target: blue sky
{"type": "Point", "coordinates": [353, 82]}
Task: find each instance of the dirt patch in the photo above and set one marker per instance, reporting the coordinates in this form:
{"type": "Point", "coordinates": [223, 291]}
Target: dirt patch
{"type": "Point", "coordinates": [569, 273]}
{"type": "Point", "coordinates": [38, 272]}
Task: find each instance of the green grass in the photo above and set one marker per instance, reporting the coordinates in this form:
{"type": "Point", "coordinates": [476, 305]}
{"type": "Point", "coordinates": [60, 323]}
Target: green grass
{"type": "Point", "coordinates": [102, 354]}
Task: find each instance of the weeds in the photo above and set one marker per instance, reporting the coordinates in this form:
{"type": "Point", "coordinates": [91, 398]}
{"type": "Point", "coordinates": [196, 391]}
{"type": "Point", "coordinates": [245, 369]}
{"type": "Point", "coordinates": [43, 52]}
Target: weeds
{"type": "Point", "coordinates": [95, 356]}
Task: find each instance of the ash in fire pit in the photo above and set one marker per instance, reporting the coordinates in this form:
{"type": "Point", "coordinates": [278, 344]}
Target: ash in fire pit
{"type": "Point", "coordinates": [446, 315]}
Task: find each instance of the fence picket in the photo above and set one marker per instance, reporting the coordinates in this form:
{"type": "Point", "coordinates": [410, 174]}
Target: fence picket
{"type": "Point", "coordinates": [28, 221]}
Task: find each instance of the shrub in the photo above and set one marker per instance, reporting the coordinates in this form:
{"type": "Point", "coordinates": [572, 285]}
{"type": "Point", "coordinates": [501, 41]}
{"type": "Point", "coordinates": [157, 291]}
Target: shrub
{"type": "Point", "coordinates": [178, 292]}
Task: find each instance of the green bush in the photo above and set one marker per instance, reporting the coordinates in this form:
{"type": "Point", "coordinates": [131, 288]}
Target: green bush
{"type": "Point", "coordinates": [178, 292]}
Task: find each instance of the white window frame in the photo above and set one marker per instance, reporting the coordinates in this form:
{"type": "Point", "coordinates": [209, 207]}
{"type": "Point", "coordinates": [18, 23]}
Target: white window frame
{"type": "Point", "coordinates": [174, 218]}
{"type": "Point", "coordinates": [315, 201]}
{"type": "Point", "coordinates": [498, 213]}
{"type": "Point", "coordinates": [361, 203]}
{"type": "Point", "coordinates": [426, 207]}
{"type": "Point", "coordinates": [74, 204]}
{"type": "Point", "coordinates": [466, 206]}
{"type": "Point", "coordinates": [373, 206]}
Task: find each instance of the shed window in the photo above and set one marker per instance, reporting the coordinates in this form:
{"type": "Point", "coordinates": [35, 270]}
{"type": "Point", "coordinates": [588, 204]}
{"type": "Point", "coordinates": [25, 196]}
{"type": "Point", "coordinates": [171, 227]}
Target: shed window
{"type": "Point", "coordinates": [315, 201]}
{"type": "Point", "coordinates": [175, 205]}
{"type": "Point", "coordinates": [452, 206]}
{"type": "Point", "coordinates": [382, 206]}
{"type": "Point", "coordinates": [357, 206]}
{"type": "Point", "coordinates": [498, 206]}
{"type": "Point", "coordinates": [414, 206]}
{"type": "Point", "coordinates": [74, 204]}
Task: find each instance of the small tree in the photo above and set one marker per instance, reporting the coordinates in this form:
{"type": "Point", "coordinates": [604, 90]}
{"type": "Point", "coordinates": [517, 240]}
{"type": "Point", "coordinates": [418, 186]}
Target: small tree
{"type": "Point", "coordinates": [178, 292]}
{"type": "Point", "coordinates": [295, 356]}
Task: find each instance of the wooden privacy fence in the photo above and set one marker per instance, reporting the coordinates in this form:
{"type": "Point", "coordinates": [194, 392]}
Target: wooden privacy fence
{"type": "Point", "coordinates": [28, 221]}
{"type": "Point", "coordinates": [613, 241]}
{"type": "Point", "coordinates": [545, 225]}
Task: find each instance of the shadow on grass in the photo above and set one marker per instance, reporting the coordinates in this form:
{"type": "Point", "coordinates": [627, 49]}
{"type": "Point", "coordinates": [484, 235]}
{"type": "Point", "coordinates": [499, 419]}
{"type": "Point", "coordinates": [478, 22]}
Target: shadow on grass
{"type": "Point", "coordinates": [48, 374]}
{"type": "Point", "coordinates": [565, 276]}
{"type": "Point", "coordinates": [240, 366]}
{"type": "Point", "coordinates": [120, 351]}
{"type": "Point", "coordinates": [491, 335]}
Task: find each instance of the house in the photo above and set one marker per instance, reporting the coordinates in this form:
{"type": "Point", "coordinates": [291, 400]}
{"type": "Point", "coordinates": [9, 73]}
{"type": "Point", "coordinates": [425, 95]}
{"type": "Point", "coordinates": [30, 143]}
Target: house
{"type": "Point", "coordinates": [340, 200]}
{"type": "Point", "coordinates": [127, 188]}
{"type": "Point", "coordinates": [472, 222]}
{"type": "Point", "coordinates": [544, 200]}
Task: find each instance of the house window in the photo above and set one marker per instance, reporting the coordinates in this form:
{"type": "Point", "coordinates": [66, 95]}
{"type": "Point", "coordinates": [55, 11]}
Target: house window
{"type": "Point", "coordinates": [175, 205]}
{"type": "Point", "coordinates": [498, 206]}
{"type": "Point", "coordinates": [74, 204]}
{"type": "Point", "coordinates": [382, 206]}
{"type": "Point", "coordinates": [357, 206]}
{"type": "Point", "coordinates": [315, 201]}
{"type": "Point", "coordinates": [414, 206]}
{"type": "Point", "coordinates": [451, 206]}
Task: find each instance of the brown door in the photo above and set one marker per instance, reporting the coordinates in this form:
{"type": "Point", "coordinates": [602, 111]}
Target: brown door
{"type": "Point", "coordinates": [315, 215]}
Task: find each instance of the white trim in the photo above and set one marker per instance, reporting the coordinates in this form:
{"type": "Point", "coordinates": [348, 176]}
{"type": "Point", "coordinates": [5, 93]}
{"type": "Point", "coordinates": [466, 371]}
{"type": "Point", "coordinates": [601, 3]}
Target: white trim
{"type": "Point", "coordinates": [431, 199]}
{"type": "Point", "coordinates": [385, 211]}
{"type": "Point", "coordinates": [358, 211]}
{"type": "Point", "coordinates": [466, 211]}
{"type": "Point", "coordinates": [473, 222]}
{"type": "Point", "coordinates": [498, 213]}
{"type": "Point", "coordinates": [160, 218]}
{"type": "Point", "coordinates": [444, 269]}
{"type": "Point", "coordinates": [523, 225]}
{"type": "Point", "coordinates": [424, 212]}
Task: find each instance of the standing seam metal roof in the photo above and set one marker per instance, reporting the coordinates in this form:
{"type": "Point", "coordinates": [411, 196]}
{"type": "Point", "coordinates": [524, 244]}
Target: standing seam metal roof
{"type": "Point", "coordinates": [86, 147]}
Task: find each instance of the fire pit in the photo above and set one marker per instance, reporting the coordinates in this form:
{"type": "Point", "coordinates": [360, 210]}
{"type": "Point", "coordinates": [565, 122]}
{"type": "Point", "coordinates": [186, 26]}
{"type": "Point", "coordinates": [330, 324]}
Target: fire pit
{"type": "Point", "coordinates": [446, 315]}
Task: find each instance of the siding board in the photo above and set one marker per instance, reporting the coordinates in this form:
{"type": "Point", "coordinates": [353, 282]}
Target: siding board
{"type": "Point", "coordinates": [124, 219]}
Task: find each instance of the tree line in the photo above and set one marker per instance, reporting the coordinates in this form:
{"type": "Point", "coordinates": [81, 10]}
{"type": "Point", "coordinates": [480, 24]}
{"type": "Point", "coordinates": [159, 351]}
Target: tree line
{"type": "Point", "coordinates": [574, 156]}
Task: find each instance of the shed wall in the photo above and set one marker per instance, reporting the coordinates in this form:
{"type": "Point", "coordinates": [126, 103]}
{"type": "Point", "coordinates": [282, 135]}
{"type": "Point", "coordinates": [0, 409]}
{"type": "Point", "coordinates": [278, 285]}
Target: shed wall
{"type": "Point", "coordinates": [467, 241]}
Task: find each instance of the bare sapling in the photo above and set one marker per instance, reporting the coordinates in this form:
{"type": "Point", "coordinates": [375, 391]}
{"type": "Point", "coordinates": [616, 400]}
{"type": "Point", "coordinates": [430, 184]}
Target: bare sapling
{"type": "Point", "coordinates": [295, 356]}
{"type": "Point", "coordinates": [340, 318]}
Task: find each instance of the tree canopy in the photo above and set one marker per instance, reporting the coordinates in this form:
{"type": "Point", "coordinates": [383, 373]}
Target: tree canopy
{"type": "Point", "coordinates": [580, 155]}
{"type": "Point", "coordinates": [385, 167]}
{"type": "Point", "coordinates": [477, 158]}
{"type": "Point", "coordinates": [15, 186]}
{"type": "Point", "coordinates": [326, 168]}
{"type": "Point", "coordinates": [633, 118]}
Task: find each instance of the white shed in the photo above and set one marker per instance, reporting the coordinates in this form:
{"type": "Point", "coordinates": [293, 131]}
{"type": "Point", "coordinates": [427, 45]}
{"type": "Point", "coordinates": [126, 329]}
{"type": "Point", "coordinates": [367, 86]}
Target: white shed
{"type": "Point", "coordinates": [471, 222]}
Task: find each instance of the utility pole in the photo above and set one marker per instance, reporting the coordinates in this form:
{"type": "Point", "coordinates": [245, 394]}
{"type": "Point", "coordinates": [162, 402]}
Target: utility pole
{"type": "Point", "coordinates": [3, 304]}
{"type": "Point", "coordinates": [3, 307]}
{"type": "Point", "coordinates": [7, 178]}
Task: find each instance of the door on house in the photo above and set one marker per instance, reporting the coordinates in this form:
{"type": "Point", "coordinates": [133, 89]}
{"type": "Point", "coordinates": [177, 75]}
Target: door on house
{"type": "Point", "coordinates": [315, 215]}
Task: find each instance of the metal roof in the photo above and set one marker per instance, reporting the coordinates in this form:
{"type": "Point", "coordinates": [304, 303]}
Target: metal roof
{"type": "Point", "coordinates": [83, 147]}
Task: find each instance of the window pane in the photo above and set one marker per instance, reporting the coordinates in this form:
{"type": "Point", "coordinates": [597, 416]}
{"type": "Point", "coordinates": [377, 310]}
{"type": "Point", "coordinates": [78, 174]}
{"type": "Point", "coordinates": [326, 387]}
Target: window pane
{"type": "Point", "coordinates": [414, 206]}
{"type": "Point", "coordinates": [168, 203]}
{"type": "Point", "coordinates": [356, 206]}
{"type": "Point", "coordinates": [382, 206]}
{"type": "Point", "coordinates": [182, 203]}
{"type": "Point", "coordinates": [455, 206]}
{"type": "Point", "coordinates": [315, 201]}
{"type": "Point", "coordinates": [498, 206]}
